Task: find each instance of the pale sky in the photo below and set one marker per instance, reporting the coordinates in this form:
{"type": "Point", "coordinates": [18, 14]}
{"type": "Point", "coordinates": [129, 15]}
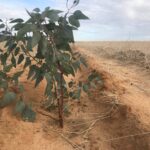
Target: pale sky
{"type": "Point", "coordinates": [109, 19]}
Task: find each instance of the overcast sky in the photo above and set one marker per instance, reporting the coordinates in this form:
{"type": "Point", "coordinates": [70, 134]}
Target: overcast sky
{"type": "Point", "coordinates": [109, 19]}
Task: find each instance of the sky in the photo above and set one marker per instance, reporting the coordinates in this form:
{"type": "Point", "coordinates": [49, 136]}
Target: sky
{"type": "Point", "coordinates": [109, 19]}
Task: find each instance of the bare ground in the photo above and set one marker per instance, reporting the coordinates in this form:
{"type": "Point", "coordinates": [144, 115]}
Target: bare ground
{"type": "Point", "coordinates": [113, 118]}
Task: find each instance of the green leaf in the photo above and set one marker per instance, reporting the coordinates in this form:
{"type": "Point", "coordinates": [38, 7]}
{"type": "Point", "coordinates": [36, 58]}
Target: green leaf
{"type": "Point", "coordinates": [27, 28]}
{"type": "Point", "coordinates": [79, 15]}
{"type": "Point", "coordinates": [3, 84]}
{"type": "Point", "coordinates": [76, 2]}
{"type": "Point", "coordinates": [3, 58]}
{"type": "Point", "coordinates": [73, 21]}
{"type": "Point", "coordinates": [48, 89]}
{"type": "Point", "coordinates": [76, 94]}
{"type": "Point", "coordinates": [31, 71]}
{"type": "Point", "coordinates": [28, 114]}
{"type": "Point", "coordinates": [3, 75]}
{"type": "Point", "coordinates": [27, 62]}
{"type": "Point", "coordinates": [70, 84]}
{"type": "Point", "coordinates": [11, 47]}
{"type": "Point", "coordinates": [7, 68]}
{"type": "Point", "coordinates": [23, 48]}
{"type": "Point", "coordinates": [76, 65]}
{"type": "Point", "coordinates": [68, 34]}
{"type": "Point", "coordinates": [21, 58]}
{"type": "Point", "coordinates": [18, 26]}
{"type": "Point", "coordinates": [48, 77]}
{"type": "Point", "coordinates": [21, 88]}
{"type": "Point", "coordinates": [93, 76]}
{"type": "Point", "coordinates": [13, 61]}
{"type": "Point", "coordinates": [38, 79]}
{"type": "Point", "coordinates": [85, 88]}
{"type": "Point", "coordinates": [8, 98]}
{"type": "Point", "coordinates": [68, 70]}
{"type": "Point", "coordinates": [2, 25]}
{"type": "Point", "coordinates": [36, 10]}
{"type": "Point", "coordinates": [35, 39]}
{"type": "Point", "coordinates": [17, 75]}
{"type": "Point", "coordinates": [19, 20]}
{"type": "Point", "coordinates": [42, 48]}
{"type": "Point", "coordinates": [80, 84]}
{"type": "Point", "coordinates": [39, 74]}
{"type": "Point", "coordinates": [20, 107]}
{"type": "Point", "coordinates": [17, 51]}
{"type": "Point", "coordinates": [83, 61]}
{"type": "Point", "coordinates": [51, 14]}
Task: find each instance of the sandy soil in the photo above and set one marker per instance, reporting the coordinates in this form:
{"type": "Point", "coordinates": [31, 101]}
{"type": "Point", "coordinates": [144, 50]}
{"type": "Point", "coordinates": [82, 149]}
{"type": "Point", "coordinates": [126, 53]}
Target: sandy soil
{"type": "Point", "coordinates": [115, 117]}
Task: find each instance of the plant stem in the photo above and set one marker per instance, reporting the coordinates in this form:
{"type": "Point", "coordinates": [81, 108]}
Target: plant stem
{"type": "Point", "coordinates": [61, 99]}
{"type": "Point", "coordinates": [61, 103]}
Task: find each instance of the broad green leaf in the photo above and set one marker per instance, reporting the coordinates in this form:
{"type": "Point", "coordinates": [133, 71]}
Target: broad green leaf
{"type": "Point", "coordinates": [27, 28]}
{"type": "Point", "coordinates": [76, 2]}
{"type": "Point", "coordinates": [76, 65]}
{"type": "Point", "coordinates": [83, 61]}
{"type": "Point", "coordinates": [27, 62]}
{"type": "Point", "coordinates": [42, 48]}
{"type": "Point", "coordinates": [21, 58]}
{"type": "Point", "coordinates": [3, 38]}
{"type": "Point", "coordinates": [3, 75]}
{"type": "Point", "coordinates": [17, 75]}
{"type": "Point", "coordinates": [93, 76]}
{"type": "Point", "coordinates": [79, 15]}
{"type": "Point", "coordinates": [35, 39]}
{"type": "Point", "coordinates": [68, 34]}
{"type": "Point", "coordinates": [28, 114]}
{"type": "Point", "coordinates": [51, 14]}
{"type": "Point", "coordinates": [21, 88]}
{"type": "Point", "coordinates": [80, 84]}
{"type": "Point", "coordinates": [2, 25]}
{"type": "Point", "coordinates": [68, 70]}
{"type": "Point", "coordinates": [8, 98]}
{"type": "Point", "coordinates": [73, 21]}
{"type": "Point", "coordinates": [76, 94]}
{"type": "Point", "coordinates": [51, 26]}
{"type": "Point", "coordinates": [17, 51]}
{"type": "Point", "coordinates": [23, 48]}
{"type": "Point", "coordinates": [31, 71]}
{"type": "Point", "coordinates": [38, 79]}
{"type": "Point", "coordinates": [48, 77]}
{"type": "Point", "coordinates": [36, 10]}
{"type": "Point", "coordinates": [47, 8]}
{"type": "Point", "coordinates": [7, 68]}
{"type": "Point", "coordinates": [3, 84]}
{"type": "Point", "coordinates": [3, 58]}
{"type": "Point", "coordinates": [18, 26]}
{"type": "Point", "coordinates": [12, 46]}
{"type": "Point", "coordinates": [20, 107]}
{"type": "Point", "coordinates": [13, 61]}
{"type": "Point", "coordinates": [85, 88]}
{"type": "Point", "coordinates": [70, 84]}
{"type": "Point", "coordinates": [48, 89]}
{"type": "Point", "coordinates": [19, 20]}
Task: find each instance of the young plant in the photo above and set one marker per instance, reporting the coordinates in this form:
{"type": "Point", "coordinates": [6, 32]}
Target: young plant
{"type": "Point", "coordinates": [42, 44]}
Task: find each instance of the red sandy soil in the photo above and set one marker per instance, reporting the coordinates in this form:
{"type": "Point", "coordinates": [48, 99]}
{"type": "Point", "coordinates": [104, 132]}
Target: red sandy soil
{"type": "Point", "coordinates": [113, 118]}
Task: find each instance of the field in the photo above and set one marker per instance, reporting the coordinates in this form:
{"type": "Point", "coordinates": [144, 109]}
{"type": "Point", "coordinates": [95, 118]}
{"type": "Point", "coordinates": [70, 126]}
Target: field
{"type": "Point", "coordinates": [115, 116]}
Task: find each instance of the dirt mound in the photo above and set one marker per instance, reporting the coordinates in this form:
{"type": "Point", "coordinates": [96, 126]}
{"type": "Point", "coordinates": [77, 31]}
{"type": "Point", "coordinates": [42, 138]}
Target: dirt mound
{"type": "Point", "coordinates": [115, 117]}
